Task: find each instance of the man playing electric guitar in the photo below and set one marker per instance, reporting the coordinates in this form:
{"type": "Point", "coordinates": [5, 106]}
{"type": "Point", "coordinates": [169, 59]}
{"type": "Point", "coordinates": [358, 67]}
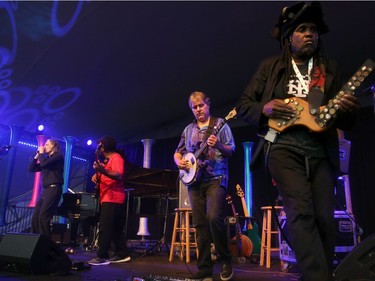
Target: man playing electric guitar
{"type": "Point", "coordinates": [303, 163]}
{"type": "Point", "coordinates": [207, 193]}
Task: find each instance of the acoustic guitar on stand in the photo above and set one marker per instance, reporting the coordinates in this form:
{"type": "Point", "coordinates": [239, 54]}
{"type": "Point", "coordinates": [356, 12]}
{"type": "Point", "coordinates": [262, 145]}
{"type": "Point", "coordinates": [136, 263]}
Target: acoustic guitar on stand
{"type": "Point", "coordinates": [322, 119]}
{"type": "Point", "coordinates": [252, 230]}
{"type": "Point", "coordinates": [192, 173]}
{"type": "Point", "coordinates": [243, 247]}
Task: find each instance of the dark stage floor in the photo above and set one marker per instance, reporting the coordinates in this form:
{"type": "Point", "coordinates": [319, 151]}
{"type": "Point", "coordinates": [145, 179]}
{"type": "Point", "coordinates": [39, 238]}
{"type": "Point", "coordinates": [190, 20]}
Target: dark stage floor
{"type": "Point", "coordinates": [154, 267]}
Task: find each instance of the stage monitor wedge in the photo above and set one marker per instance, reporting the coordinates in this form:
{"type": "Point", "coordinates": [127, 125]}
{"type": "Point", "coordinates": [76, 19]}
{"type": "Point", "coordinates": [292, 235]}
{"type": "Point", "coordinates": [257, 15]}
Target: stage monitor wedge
{"type": "Point", "coordinates": [359, 265]}
{"type": "Point", "coordinates": [32, 254]}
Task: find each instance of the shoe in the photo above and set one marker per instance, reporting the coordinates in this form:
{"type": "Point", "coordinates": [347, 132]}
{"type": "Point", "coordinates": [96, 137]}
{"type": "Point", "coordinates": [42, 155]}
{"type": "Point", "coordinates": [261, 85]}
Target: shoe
{"type": "Point", "coordinates": [118, 259]}
{"type": "Point", "coordinates": [201, 276]}
{"type": "Point", "coordinates": [226, 272]}
{"type": "Point", "coordinates": [98, 261]}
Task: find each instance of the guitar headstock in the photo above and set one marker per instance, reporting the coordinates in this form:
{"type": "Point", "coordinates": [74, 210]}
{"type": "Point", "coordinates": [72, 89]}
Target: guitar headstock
{"type": "Point", "coordinates": [239, 191]}
{"type": "Point", "coordinates": [231, 114]}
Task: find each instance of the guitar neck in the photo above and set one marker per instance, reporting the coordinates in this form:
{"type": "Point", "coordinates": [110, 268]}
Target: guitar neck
{"type": "Point", "coordinates": [329, 112]}
{"type": "Point", "coordinates": [245, 211]}
{"type": "Point", "coordinates": [205, 145]}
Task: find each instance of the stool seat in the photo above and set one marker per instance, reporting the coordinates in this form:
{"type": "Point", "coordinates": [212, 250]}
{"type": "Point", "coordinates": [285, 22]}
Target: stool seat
{"type": "Point", "coordinates": [182, 226]}
{"type": "Point", "coordinates": [267, 232]}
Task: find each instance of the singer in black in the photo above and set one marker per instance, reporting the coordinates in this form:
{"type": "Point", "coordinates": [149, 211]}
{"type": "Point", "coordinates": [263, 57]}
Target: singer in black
{"type": "Point", "coordinates": [50, 162]}
{"type": "Point", "coordinates": [303, 164]}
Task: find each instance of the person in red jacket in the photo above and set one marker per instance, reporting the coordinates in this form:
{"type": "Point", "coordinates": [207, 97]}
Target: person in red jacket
{"type": "Point", "coordinates": [109, 179]}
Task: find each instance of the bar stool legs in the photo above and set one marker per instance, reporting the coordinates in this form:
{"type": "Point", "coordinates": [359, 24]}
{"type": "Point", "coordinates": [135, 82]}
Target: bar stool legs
{"type": "Point", "coordinates": [267, 232]}
{"type": "Point", "coordinates": [182, 226]}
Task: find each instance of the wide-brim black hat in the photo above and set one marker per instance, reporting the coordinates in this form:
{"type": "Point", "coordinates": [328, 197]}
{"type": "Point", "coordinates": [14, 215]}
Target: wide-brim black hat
{"type": "Point", "coordinates": [299, 13]}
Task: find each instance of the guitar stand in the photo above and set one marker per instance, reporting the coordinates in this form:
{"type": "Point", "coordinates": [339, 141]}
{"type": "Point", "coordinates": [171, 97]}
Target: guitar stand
{"type": "Point", "coordinates": [162, 241]}
{"type": "Point", "coordinates": [243, 250]}
{"type": "Point", "coordinates": [234, 244]}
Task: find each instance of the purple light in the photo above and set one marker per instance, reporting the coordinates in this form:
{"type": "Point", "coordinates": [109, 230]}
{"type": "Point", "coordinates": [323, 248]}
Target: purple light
{"type": "Point", "coordinates": [89, 142]}
{"type": "Point", "coordinates": [40, 128]}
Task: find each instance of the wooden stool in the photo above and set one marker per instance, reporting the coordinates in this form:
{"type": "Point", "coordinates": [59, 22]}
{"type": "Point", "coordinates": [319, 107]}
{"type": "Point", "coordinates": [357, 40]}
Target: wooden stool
{"type": "Point", "coordinates": [182, 226]}
{"type": "Point", "coordinates": [267, 231]}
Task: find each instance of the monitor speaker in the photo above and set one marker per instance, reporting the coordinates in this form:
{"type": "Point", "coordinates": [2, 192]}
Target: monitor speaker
{"type": "Point", "coordinates": [183, 196]}
{"type": "Point", "coordinates": [32, 254]}
{"type": "Point", "coordinates": [358, 265]}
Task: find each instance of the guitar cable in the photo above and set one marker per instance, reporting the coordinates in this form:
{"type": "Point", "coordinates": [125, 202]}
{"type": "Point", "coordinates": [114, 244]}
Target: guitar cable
{"type": "Point", "coordinates": [269, 182]}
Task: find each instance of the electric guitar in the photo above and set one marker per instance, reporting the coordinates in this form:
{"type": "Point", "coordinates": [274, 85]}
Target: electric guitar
{"type": "Point", "coordinates": [244, 246]}
{"type": "Point", "coordinates": [252, 228]}
{"type": "Point", "coordinates": [322, 120]}
{"type": "Point", "coordinates": [98, 176]}
{"type": "Point", "coordinates": [195, 165]}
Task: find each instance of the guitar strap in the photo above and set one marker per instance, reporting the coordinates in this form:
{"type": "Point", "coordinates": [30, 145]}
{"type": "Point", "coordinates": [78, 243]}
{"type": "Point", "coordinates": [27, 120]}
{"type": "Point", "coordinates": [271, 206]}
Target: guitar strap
{"type": "Point", "coordinates": [210, 128]}
{"type": "Point", "coordinates": [316, 92]}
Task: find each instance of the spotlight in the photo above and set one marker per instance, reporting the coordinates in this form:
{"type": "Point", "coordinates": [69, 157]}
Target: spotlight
{"type": "Point", "coordinates": [41, 128]}
{"type": "Point", "coordinates": [89, 142]}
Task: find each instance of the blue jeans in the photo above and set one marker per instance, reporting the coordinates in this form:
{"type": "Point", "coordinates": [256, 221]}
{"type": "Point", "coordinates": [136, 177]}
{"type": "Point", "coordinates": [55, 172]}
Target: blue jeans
{"type": "Point", "coordinates": [207, 199]}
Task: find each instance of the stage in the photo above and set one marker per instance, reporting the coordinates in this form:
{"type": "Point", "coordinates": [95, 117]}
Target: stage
{"type": "Point", "coordinates": [153, 266]}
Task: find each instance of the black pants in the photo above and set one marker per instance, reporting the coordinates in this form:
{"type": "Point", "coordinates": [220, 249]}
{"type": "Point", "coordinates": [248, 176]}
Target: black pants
{"type": "Point", "coordinates": [45, 209]}
{"type": "Point", "coordinates": [306, 186]}
{"type": "Point", "coordinates": [111, 230]}
{"type": "Point", "coordinates": [208, 212]}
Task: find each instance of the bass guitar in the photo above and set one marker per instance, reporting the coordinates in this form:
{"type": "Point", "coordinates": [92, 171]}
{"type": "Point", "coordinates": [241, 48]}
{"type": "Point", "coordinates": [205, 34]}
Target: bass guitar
{"type": "Point", "coordinates": [98, 176]}
{"type": "Point", "coordinates": [195, 165]}
{"type": "Point", "coordinates": [252, 230]}
{"type": "Point", "coordinates": [321, 120]}
{"type": "Point", "coordinates": [243, 246]}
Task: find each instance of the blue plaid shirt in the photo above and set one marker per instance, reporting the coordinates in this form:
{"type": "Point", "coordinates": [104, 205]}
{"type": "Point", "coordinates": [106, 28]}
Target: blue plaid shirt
{"type": "Point", "coordinates": [217, 165]}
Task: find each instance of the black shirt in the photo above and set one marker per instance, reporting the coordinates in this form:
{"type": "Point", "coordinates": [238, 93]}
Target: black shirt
{"type": "Point", "coordinates": [52, 168]}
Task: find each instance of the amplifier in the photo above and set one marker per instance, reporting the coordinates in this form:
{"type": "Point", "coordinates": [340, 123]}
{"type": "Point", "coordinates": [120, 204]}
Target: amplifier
{"type": "Point", "coordinates": [346, 234]}
{"type": "Point", "coordinates": [345, 237]}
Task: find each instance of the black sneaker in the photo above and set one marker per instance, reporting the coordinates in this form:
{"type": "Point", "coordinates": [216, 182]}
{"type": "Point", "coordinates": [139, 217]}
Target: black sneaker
{"type": "Point", "coordinates": [98, 261]}
{"type": "Point", "coordinates": [201, 276]}
{"type": "Point", "coordinates": [226, 272]}
{"type": "Point", "coordinates": [118, 259]}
